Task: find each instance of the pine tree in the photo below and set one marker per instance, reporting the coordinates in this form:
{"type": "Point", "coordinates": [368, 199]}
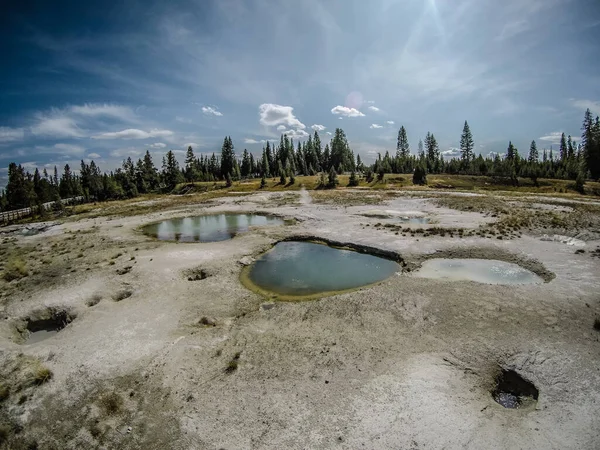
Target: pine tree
{"type": "Point", "coordinates": [227, 157]}
{"type": "Point", "coordinates": [245, 169]}
{"type": "Point", "coordinates": [466, 144]}
{"type": "Point", "coordinates": [353, 181]}
{"type": "Point", "coordinates": [402, 146]}
{"type": "Point", "coordinates": [533, 153]}
{"type": "Point", "coordinates": [570, 148]}
{"type": "Point", "coordinates": [563, 148]}
{"type": "Point", "coordinates": [263, 181]}
{"type": "Point", "coordinates": [171, 172]}
{"type": "Point", "coordinates": [190, 162]}
{"type": "Point", "coordinates": [421, 151]}
{"type": "Point", "coordinates": [420, 175]}
{"type": "Point", "coordinates": [333, 178]}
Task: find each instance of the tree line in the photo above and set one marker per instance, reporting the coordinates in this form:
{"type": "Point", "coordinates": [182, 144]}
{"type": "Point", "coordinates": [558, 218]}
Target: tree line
{"type": "Point", "coordinates": [286, 160]}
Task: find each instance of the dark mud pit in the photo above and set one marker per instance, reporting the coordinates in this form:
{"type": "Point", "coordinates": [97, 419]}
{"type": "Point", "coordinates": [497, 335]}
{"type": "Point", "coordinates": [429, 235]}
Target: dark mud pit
{"type": "Point", "coordinates": [513, 391]}
{"type": "Point", "coordinates": [40, 329]}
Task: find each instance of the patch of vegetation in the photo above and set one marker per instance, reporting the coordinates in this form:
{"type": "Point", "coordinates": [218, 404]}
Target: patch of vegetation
{"type": "Point", "coordinates": [111, 403]}
{"type": "Point", "coordinates": [15, 269]}
{"type": "Point", "coordinates": [40, 374]}
{"type": "Point", "coordinates": [207, 322]}
{"type": "Point", "coordinates": [233, 364]}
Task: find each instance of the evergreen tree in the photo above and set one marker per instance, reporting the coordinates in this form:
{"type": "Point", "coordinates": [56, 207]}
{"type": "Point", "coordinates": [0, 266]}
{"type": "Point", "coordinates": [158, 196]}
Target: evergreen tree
{"type": "Point", "coordinates": [66, 183]}
{"type": "Point", "coordinates": [150, 174]}
{"type": "Point", "coordinates": [466, 144]}
{"type": "Point", "coordinates": [333, 178]}
{"type": "Point", "coordinates": [421, 151]}
{"type": "Point", "coordinates": [420, 175]}
{"type": "Point", "coordinates": [533, 153]}
{"type": "Point", "coordinates": [263, 181]}
{"type": "Point", "coordinates": [245, 169]}
{"type": "Point", "coordinates": [353, 181]}
{"type": "Point", "coordinates": [190, 165]}
{"type": "Point", "coordinates": [227, 157]}
{"type": "Point", "coordinates": [402, 146]}
{"type": "Point", "coordinates": [563, 148]}
{"type": "Point", "coordinates": [171, 173]}
{"type": "Point", "coordinates": [570, 148]}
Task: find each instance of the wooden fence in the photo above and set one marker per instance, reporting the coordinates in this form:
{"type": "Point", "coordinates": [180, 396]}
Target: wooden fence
{"type": "Point", "coordinates": [17, 214]}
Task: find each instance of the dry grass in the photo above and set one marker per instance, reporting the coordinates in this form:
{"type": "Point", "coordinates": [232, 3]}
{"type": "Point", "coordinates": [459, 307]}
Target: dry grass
{"type": "Point", "coordinates": [111, 403]}
{"type": "Point", "coordinates": [233, 364]}
{"type": "Point", "coordinates": [15, 269]}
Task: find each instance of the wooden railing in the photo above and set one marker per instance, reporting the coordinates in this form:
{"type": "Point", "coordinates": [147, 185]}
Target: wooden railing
{"type": "Point", "coordinates": [18, 214]}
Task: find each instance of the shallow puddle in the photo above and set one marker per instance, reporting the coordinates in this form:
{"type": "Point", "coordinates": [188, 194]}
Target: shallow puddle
{"type": "Point", "coordinates": [209, 228]}
{"type": "Point", "coordinates": [37, 336]}
{"type": "Point", "coordinates": [481, 270]}
{"type": "Point", "coordinates": [306, 268]}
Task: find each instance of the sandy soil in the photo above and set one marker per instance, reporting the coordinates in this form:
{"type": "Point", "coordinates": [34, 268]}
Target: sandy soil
{"type": "Point", "coordinates": [408, 363]}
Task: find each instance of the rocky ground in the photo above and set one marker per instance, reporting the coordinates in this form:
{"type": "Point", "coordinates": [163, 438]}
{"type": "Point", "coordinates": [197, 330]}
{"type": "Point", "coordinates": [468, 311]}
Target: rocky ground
{"type": "Point", "coordinates": [164, 348]}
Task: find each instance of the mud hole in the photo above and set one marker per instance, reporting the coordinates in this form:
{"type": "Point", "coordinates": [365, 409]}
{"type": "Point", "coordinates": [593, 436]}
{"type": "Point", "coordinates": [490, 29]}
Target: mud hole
{"type": "Point", "coordinates": [43, 324]}
{"type": "Point", "coordinates": [513, 391]}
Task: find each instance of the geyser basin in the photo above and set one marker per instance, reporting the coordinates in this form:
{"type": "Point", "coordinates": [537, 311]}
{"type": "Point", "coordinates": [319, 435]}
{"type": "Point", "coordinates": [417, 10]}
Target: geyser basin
{"type": "Point", "coordinates": [209, 228]}
{"type": "Point", "coordinates": [304, 269]}
{"type": "Point", "coordinates": [481, 270]}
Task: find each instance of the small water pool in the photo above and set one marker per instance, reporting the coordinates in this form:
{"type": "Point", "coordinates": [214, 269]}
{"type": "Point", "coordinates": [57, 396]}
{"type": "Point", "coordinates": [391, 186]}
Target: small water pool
{"type": "Point", "coordinates": [481, 270]}
{"type": "Point", "coordinates": [208, 228]}
{"type": "Point", "coordinates": [300, 269]}
{"type": "Point", "coordinates": [41, 335]}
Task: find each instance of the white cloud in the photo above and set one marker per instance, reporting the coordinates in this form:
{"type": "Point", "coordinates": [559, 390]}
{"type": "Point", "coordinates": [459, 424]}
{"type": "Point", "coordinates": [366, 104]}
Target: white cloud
{"type": "Point", "coordinates": [374, 108]}
{"type": "Point", "coordinates": [296, 134]}
{"type": "Point", "coordinates": [375, 126]}
{"type": "Point", "coordinates": [347, 112]}
{"type": "Point", "coordinates": [124, 152]}
{"type": "Point", "coordinates": [56, 125]}
{"type": "Point", "coordinates": [69, 149]}
{"type": "Point", "coordinates": [329, 133]}
{"type": "Point", "coordinates": [593, 106]}
{"type": "Point", "coordinates": [390, 122]}
{"type": "Point", "coordinates": [183, 119]}
{"type": "Point", "coordinates": [133, 133]}
{"type": "Point", "coordinates": [11, 134]}
{"type": "Point", "coordinates": [253, 141]}
{"type": "Point", "coordinates": [94, 155]}
{"type": "Point", "coordinates": [281, 127]}
{"type": "Point", "coordinates": [553, 137]}
{"type": "Point", "coordinates": [273, 115]}
{"type": "Point", "coordinates": [452, 152]}
{"type": "Point", "coordinates": [108, 110]}
{"type": "Point", "coordinates": [370, 101]}
{"type": "Point", "coordinates": [318, 127]}
{"type": "Point", "coordinates": [209, 110]}
{"type": "Point", "coordinates": [158, 145]}
{"type": "Point", "coordinates": [62, 149]}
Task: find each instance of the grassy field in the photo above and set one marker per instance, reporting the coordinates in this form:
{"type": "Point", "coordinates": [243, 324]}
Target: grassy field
{"type": "Point", "coordinates": [205, 192]}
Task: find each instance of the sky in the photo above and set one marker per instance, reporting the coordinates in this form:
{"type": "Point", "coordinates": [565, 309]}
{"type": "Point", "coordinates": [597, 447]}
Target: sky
{"type": "Point", "coordinates": [112, 79]}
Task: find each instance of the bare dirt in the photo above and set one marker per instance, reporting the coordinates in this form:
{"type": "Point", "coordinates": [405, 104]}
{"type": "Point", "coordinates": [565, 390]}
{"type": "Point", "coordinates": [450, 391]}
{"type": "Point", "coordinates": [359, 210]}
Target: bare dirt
{"type": "Point", "coordinates": [167, 349]}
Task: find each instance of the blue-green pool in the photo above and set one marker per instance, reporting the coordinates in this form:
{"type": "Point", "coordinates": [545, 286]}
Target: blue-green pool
{"type": "Point", "coordinates": [306, 268]}
{"type": "Point", "coordinates": [209, 228]}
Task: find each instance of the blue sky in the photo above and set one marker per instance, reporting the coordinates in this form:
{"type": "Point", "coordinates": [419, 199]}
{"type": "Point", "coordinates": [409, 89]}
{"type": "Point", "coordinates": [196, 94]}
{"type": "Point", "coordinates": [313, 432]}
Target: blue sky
{"type": "Point", "coordinates": [107, 80]}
